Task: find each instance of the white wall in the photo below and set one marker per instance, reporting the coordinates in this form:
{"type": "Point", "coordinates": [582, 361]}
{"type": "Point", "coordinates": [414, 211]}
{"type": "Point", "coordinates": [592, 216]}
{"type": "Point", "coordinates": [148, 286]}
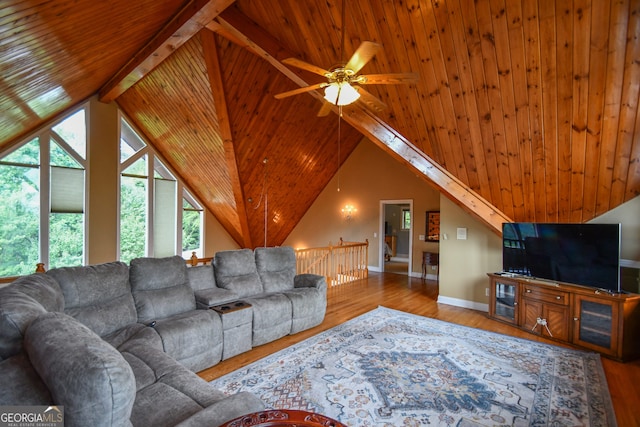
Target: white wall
{"type": "Point", "coordinates": [627, 214]}
{"type": "Point", "coordinates": [464, 264]}
{"type": "Point", "coordinates": [368, 176]}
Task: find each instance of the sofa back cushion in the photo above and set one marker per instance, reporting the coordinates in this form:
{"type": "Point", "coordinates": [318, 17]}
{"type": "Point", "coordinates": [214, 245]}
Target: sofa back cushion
{"type": "Point", "coordinates": [84, 374]}
{"type": "Point", "coordinates": [276, 267]}
{"type": "Point", "coordinates": [160, 287]}
{"type": "Point", "coordinates": [236, 271]}
{"type": "Point", "coordinates": [201, 277]}
{"type": "Point", "coordinates": [98, 296]}
{"type": "Point", "coordinates": [20, 303]}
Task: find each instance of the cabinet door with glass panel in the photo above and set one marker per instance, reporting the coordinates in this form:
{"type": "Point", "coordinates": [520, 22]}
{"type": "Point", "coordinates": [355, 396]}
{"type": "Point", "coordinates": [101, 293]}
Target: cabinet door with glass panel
{"type": "Point", "coordinates": [596, 323]}
{"type": "Point", "coordinates": [503, 300]}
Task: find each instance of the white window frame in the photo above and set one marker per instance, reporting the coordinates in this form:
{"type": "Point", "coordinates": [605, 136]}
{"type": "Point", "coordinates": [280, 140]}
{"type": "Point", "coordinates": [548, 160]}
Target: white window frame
{"type": "Point", "coordinates": [45, 135]}
{"type": "Point", "coordinates": [181, 192]}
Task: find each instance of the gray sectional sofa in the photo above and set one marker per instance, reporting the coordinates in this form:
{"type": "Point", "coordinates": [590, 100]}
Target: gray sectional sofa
{"type": "Point", "coordinates": [120, 345]}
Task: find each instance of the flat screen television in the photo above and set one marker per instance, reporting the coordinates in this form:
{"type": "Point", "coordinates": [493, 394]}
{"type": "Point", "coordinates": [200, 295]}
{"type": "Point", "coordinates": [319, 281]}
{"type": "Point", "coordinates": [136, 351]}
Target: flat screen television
{"type": "Point", "coordinates": [581, 254]}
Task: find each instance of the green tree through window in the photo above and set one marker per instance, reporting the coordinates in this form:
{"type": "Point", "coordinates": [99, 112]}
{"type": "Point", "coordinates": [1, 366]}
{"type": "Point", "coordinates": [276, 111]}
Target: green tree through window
{"type": "Point", "coordinates": [60, 242]}
{"type": "Point", "coordinates": [19, 210]}
{"type": "Point", "coordinates": [140, 233]}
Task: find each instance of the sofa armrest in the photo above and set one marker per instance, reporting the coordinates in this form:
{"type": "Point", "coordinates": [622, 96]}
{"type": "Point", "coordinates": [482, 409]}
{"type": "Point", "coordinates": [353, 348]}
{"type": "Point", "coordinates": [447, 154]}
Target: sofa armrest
{"type": "Point", "coordinates": [84, 374]}
{"type": "Point", "coordinates": [224, 410]}
{"type": "Point", "coordinates": [310, 281]}
{"type": "Point", "coordinates": [206, 298]}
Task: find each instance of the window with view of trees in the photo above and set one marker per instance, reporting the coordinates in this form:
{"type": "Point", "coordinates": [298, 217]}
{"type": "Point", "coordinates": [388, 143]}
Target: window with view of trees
{"type": "Point", "coordinates": [191, 226]}
{"type": "Point", "coordinates": [149, 208]}
{"type": "Point", "coordinates": [45, 170]}
{"type": "Point", "coordinates": [42, 188]}
{"type": "Point", "coordinates": [406, 219]}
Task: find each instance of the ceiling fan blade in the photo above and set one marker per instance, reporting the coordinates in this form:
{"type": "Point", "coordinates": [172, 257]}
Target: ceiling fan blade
{"type": "Point", "coordinates": [388, 79]}
{"type": "Point", "coordinates": [301, 90]}
{"type": "Point", "coordinates": [325, 109]}
{"type": "Point", "coordinates": [362, 55]}
{"type": "Point", "coordinates": [371, 101]}
{"type": "Point", "coordinates": [305, 66]}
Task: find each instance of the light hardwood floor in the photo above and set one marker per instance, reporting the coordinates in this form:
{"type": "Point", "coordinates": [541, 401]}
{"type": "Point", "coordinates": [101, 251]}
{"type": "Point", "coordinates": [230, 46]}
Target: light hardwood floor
{"type": "Point", "coordinates": [416, 296]}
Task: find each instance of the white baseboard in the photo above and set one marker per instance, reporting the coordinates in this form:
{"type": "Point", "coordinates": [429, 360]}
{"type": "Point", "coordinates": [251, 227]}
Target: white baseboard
{"type": "Point", "coordinates": [446, 300]}
{"type": "Point", "coordinates": [413, 273]}
{"type": "Point", "coordinates": [463, 303]}
{"type": "Point", "coordinates": [629, 263]}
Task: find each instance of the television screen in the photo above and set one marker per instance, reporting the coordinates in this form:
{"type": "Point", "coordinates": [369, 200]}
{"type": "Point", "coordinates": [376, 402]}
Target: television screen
{"type": "Point", "coordinates": [582, 254]}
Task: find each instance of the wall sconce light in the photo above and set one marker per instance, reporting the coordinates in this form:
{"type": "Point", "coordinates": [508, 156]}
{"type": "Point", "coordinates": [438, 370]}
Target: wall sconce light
{"type": "Point", "coordinates": [348, 212]}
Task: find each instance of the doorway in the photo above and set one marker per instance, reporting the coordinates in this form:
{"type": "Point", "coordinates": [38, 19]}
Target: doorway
{"type": "Point", "coordinates": [396, 236]}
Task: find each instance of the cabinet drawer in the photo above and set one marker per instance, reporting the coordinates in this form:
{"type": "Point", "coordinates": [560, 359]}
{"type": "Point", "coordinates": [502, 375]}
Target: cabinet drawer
{"type": "Point", "coordinates": [546, 295]}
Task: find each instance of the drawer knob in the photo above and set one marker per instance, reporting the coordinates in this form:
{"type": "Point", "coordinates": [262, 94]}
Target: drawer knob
{"type": "Point", "coordinates": [576, 318]}
{"type": "Point", "coordinates": [528, 291]}
{"type": "Point", "coordinates": [558, 297]}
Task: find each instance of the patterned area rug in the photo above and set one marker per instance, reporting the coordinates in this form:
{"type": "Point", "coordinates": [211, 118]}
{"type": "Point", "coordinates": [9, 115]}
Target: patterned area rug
{"type": "Point", "coordinates": [389, 368]}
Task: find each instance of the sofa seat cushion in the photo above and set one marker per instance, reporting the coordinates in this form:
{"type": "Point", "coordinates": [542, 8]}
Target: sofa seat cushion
{"type": "Point", "coordinates": [161, 405]}
{"type": "Point", "coordinates": [206, 298]}
{"type": "Point", "coordinates": [160, 287]}
{"type": "Point", "coordinates": [86, 375]}
{"type": "Point", "coordinates": [148, 364]}
{"type": "Point", "coordinates": [26, 386]}
{"type": "Point", "coordinates": [271, 317]}
{"type": "Point", "coordinates": [99, 296]}
{"type": "Point", "coordinates": [193, 338]}
{"type": "Point", "coordinates": [168, 393]}
{"type": "Point", "coordinates": [20, 303]}
{"type": "Point", "coordinates": [151, 366]}
{"type": "Point", "coordinates": [236, 271]}
{"type": "Point", "coordinates": [276, 267]}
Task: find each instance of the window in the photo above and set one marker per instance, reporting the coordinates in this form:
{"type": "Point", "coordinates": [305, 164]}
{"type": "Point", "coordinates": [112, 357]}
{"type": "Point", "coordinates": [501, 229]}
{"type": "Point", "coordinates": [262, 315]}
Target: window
{"type": "Point", "coordinates": [66, 219]}
{"type": "Point", "coordinates": [20, 210]}
{"type": "Point", "coordinates": [150, 211]}
{"type": "Point", "coordinates": [191, 227]}
{"type": "Point", "coordinates": [406, 219]}
{"type": "Point", "coordinates": [46, 170]}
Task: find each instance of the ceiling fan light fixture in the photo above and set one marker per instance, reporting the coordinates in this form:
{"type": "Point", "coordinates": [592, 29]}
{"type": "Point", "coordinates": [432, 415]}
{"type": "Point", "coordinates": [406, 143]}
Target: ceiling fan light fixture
{"type": "Point", "coordinates": [341, 93]}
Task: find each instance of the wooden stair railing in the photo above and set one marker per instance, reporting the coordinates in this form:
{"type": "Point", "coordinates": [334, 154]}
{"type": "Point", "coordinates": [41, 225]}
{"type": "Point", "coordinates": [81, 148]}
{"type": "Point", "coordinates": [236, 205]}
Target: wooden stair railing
{"type": "Point", "coordinates": [343, 263]}
{"type": "Point", "coordinates": [340, 264]}
{"type": "Point", "coordinates": [194, 260]}
{"type": "Point", "coordinates": [8, 279]}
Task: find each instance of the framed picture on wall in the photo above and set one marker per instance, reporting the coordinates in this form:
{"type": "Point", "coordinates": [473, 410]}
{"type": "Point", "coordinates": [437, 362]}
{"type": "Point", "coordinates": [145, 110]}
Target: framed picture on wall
{"type": "Point", "coordinates": [432, 233]}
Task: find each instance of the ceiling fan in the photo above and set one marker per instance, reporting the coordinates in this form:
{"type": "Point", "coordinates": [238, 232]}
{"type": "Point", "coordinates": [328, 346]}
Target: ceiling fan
{"type": "Point", "coordinates": [343, 85]}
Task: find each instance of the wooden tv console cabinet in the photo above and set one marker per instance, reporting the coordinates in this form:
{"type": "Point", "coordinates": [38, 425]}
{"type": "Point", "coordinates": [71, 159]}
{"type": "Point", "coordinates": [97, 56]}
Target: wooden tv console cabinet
{"type": "Point", "coordinates": [585, 317]}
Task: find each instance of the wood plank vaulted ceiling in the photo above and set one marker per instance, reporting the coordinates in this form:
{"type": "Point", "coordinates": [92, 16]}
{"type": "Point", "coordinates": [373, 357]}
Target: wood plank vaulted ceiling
{"type": "Point", "coordinates": [524, 110]}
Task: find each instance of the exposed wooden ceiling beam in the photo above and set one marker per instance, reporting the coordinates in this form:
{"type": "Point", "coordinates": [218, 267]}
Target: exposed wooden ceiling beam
{"type": "Point", "coordinates": [212, 60]}
{"type": "Point", "coordinates": [184, 25]}
{"type": "Point", "coordinates": [247, 33]}
{"type": "Point", "coordinates": [398, 147]}
{"type": "Point", "coordinates": [236, 27]}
